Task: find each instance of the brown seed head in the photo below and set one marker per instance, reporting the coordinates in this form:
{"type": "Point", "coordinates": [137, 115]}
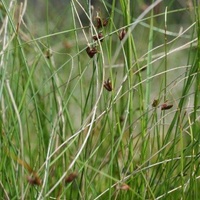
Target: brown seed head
{"type": "Point", "coordinates": [100, 23]}
{"type": "Point", "coordinates": [108, 85]}
{"type": "Point", "coordinates": [71, 177]}
{"type": "Point", "coordinates": [34, 179]}
{"type": "Point", "coordinates": [166, 107]}
{"type": "Point", "coordinates": [155, 103]}
{"type": "Point", "coordinates": [122, 33]}
{"type": "Point", "coordinates": [48, 54]}
{"type": "Point", "coordinates": [99, 36]}
{"type": "Point", "coordinates": [105, 22]}
{"type": "Point", "coordinates": [91, 51]}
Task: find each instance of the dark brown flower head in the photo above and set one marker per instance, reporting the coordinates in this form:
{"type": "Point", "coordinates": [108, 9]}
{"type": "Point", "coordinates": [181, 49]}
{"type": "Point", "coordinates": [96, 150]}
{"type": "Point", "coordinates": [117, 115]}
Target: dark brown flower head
{"type": "Point", "coordinates": [99, 36]}
{"type": "Point", "coordinates": [33, 179]}
{"type": "Point", "coordinates": [108, 85]}
{"type": "Point", "coordinates": [91, 51]}
{"type": "Point", "coordinates": [122, 33]}
{"type": "Point", "coordinates": [100, 23]}
{"type": "Point", "coordinates": [166, 106]}
{"type": "Point", "coordinates": [155, 103]}
{"type": "Point", "coordinates": [105, 22]}
{"type": "Point", "coordinates": [71, 177]}
{"type": "Point", "coordinates": [48, 54]}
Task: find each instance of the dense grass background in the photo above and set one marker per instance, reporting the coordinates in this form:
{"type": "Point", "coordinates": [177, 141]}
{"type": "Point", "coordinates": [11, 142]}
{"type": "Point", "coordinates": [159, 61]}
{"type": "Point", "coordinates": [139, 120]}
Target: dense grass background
{"type": "Point", "coordinates": [64, 135]}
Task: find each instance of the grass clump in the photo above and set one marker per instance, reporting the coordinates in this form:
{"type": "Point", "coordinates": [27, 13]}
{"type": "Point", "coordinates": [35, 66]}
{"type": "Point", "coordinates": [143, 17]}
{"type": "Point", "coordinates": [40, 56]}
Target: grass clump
{"type": "Point", "coordinates": [99, 101]}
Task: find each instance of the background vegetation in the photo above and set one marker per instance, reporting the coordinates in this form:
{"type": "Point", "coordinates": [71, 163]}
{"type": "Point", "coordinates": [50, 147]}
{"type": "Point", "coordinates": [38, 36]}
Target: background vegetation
{"type": "Point", "coordinates": [99, 100]}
